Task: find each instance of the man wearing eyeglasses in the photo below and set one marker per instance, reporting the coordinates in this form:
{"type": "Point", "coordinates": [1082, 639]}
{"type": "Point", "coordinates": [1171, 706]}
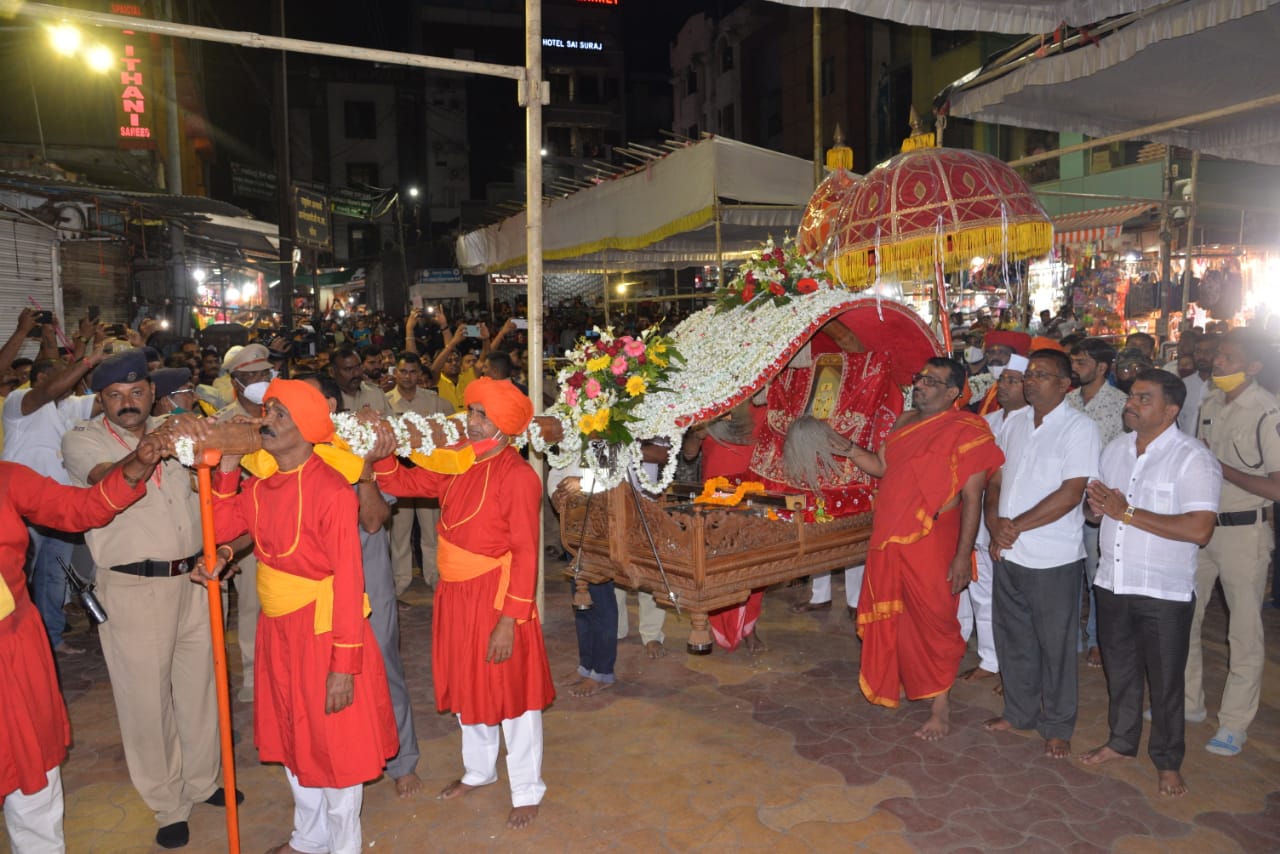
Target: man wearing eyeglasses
{"type": "Point", "coordinates": [1035, 515]}
{"type": "Point", "coordinates": [932, 468]}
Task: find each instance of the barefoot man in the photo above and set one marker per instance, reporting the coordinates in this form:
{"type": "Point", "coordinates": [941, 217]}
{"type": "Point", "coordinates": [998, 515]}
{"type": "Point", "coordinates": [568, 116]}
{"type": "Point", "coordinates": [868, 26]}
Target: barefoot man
{"type": "Point", "coordinates": [933, 467]}
{"type": "Point", "coordinates": [1035, 515]}
{"type": "Point", "coordinates": [1157, 497]}
{"type": "Point", "coordinates": [488, 661]}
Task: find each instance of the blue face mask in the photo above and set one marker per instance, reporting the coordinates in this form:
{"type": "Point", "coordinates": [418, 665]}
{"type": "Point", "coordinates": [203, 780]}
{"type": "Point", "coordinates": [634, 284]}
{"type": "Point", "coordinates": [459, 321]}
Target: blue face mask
{"type": "Point", "coordinates": [178, 410]}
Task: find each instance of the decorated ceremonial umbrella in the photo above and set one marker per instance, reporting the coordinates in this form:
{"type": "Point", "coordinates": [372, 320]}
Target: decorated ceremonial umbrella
{"type": "Point", "coordinates": [938, 205]}
{"type": "Point", "coordinates": [824, 212]}
{"type": "Point", "coordinates": [930, 211]}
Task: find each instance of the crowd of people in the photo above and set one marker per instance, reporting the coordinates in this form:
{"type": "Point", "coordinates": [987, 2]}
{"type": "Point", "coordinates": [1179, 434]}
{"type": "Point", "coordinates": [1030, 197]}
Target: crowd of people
{"type": "Point", "coordinates": [1030, 479]}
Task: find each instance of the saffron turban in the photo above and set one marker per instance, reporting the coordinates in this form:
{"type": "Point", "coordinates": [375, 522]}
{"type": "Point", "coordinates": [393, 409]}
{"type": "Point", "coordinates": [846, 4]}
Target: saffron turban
{"type": "Point", "coordinates": [1042, 343]}
{"type": "Point", "coordinates": [503, 403]}
{"type": "Point", "coordinates": [1018, 342]}
{"type": "Point", "coordinates": [307, 407]}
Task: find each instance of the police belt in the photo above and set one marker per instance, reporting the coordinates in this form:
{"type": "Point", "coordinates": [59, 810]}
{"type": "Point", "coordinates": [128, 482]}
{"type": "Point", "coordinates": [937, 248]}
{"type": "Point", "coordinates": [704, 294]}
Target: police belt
{"type": "Point", "coordinates": [158, 568]}
{"type": "Point", "coordinates": [1244, 517]}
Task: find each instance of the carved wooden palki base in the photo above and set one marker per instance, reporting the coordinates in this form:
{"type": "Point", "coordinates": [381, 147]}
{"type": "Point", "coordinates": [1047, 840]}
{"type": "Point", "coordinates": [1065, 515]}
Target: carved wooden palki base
{"type": "Point", "coordinates": [711, 557]}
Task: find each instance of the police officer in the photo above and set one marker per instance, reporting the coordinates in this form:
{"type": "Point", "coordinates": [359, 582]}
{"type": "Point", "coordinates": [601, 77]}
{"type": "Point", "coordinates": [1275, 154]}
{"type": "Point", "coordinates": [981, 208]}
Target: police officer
{"type": "Point", "coordinates": [156, 642]}
{"type": "Point", "coordinates": [1238, 421]}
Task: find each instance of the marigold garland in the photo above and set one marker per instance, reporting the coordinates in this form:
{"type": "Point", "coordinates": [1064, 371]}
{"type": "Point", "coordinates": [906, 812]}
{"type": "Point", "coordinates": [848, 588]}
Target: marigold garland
{"type": "Point", "coordinates": [721, 484]}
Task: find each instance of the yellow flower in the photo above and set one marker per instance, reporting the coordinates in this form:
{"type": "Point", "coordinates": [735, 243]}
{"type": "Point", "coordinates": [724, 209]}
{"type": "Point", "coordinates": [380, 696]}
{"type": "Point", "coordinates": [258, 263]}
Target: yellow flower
{"type": "Point", "coordinates": [586, 424]}
{"type": "Point", "coordinates": [601, 420]}
{"type": "Point", "coordinates": [658, 361]}
{"type": "Point", "coordinates": [657, 347]}
{"type": "Point", "coordinates": [599, 363]}
{"type": "Point", "coordinates": [636, 385]}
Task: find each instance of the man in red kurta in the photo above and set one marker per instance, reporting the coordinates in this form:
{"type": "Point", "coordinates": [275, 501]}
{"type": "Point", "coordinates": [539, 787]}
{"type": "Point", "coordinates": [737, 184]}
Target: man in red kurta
{"type": "Point", "coordinates": [36, 731]}
{"type": "Point", "coordinates": [488, 660]}
{"type": "Point", "coordinates": [933, 469]}
{"type": "Point", "coordinates": [321, 706]}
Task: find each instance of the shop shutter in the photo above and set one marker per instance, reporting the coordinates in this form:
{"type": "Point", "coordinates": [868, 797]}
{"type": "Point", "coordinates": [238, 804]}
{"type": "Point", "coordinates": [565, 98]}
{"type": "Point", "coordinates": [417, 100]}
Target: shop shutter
{"type": "Point", "coordinates": [96, 272]}
{"type": "Point", "coordinates": [28, 271]}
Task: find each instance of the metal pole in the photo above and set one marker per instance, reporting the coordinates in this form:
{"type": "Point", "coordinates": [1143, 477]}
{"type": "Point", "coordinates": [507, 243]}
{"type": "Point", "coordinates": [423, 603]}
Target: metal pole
{"type": "Point", "coordinates": [533, 95]}
{"type": "Point", "coordinates": [35, 100]}
{"type": "Point", "coordinates": [284, 180]}
{"type": "Point", "coordinates": [1146, 132]}
{"type": "Point", "coordinates": [173, 144]}
{"type": "Point", "coordinates": [1166, 239]}
{"type": "Point", "coordinates": [256, 40]}
{"type": "Point", "coordinates": [1191, 230]}
{"type": "Point", "coordinates": [817, 98]}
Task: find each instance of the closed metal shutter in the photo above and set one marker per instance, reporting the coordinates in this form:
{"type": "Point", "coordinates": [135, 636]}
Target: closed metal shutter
{"type": "Point", "coordinates": [28, 270]}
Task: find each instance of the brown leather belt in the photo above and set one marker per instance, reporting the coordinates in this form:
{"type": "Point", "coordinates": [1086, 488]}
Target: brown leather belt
{"type": "Point", "coordinates": [1243, 517]}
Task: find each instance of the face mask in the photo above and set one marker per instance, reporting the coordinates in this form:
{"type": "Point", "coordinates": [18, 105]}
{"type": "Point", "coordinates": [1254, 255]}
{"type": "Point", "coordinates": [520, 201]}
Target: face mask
{"type": "Point", "coordinates": [484, 446]}
{"type": "Point", "coordinates": [1230, 382]}
{"type": "Point", "coordinates": [254, 392]}
{"type": "Point", "coordinates": [974, 354]}
{"type": "Point", "coordinates": [996, 371]}
{"type": "Point", "coordinates": [178, 410]}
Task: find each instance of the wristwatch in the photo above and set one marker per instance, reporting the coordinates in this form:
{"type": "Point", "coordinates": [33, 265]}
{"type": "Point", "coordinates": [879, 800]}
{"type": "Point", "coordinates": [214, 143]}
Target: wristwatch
{"type": "Point", "coordinates": [1127, 518]}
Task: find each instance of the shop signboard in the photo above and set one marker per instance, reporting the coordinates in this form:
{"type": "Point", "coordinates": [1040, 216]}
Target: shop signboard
{"type": "Point", "coordinates": [311, 218]}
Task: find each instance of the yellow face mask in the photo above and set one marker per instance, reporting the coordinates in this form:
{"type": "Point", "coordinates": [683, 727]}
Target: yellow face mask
{"type": "Point", "coordinates": [1230, 382]}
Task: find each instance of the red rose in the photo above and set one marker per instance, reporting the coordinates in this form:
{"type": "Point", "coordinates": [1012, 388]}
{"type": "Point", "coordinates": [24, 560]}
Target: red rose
{"type": "Point", "coordinates": [748, 293]}
{"type": "Point", "coordinates": [622, 380]}
{"type": "Point", "coordinates": [576, 380]}
{"type": "Point", "coordinates": [779, 256]}
{"type": "Point", "coordinates": [640, 360]}
{"type": "Point", "coordinates": [807, 286]}
{"type": "Point", "coordinates": [776, 289]}
{"type": "Point", "coordinates": [750, 278]}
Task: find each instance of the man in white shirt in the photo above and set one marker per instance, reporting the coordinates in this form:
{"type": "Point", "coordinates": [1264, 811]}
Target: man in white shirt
{"type": "Point", "coordinates": [1198, 384]}
{"type": "Point", "coordinates": [1035, 515]}
{"type": "Point", "coordinates": [1091, 361]}
{"type": "Point", "coordinates": [1157, 500]}
{"type": "Point", "coordinates": [975, 600]}
{"type": "Point", "coordinates": [35, 420]}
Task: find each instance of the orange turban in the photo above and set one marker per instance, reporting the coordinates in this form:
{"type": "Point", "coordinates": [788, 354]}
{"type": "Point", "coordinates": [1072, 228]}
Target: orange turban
{"type": "Point", "coordinates": [1042, 343]}
{"type": "Point", "coordinates": [307, 407]}
{"type": "Point", "coordinates": [503, 403]}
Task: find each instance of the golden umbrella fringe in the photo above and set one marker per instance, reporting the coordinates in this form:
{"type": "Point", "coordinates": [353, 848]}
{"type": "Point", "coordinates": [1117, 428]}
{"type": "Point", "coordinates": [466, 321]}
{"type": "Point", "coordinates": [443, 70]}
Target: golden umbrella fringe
{"type": "Point", "coordinates": [905, 257]}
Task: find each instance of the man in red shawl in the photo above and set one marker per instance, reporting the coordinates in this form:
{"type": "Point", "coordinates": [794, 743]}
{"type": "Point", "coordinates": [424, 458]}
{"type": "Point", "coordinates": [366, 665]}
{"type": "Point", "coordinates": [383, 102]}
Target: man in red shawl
{"type": "Point", "coordinates": [933, 467]}
{"type": "Point", "coordinates": [488, 661]}
{"type": "Point", "coordinates": [36, 731]}
{"type": "Point", "coordinates": [321, 706]}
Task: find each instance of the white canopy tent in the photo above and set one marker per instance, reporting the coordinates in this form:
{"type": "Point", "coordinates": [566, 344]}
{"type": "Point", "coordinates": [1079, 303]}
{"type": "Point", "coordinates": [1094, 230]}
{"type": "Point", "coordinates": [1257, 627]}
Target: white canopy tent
{"type": "Point", "coordinates": [709, 201]}
{"type": "Point", "coordinates": [1186, 58]}
{"type": "Point", "coordinates": [988, 16]}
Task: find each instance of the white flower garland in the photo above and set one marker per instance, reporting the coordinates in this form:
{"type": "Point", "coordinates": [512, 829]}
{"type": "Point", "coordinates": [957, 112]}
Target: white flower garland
{"type": "Point", "coordinates": [667, 473]}
{"type": "Point", "coordinates": [184, 448]}
{"type": "Point", "coordinates": [359, 435]}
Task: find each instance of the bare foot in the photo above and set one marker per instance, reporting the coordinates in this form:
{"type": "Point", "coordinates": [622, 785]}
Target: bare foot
{"type": "Point", "coordinates": [1057, 748]}
{"type": "Point", "coordinates": [939, 723]}
{"type": "Point", "coordinates": [753, 643]}
{"type": "Point", "coordinates": [1171, 783]}
{"type": "Point", "coordinates": [976, 674]}
{"type": "Point", "coordinates": [522, 817]}
{"type": "Point", "coordinates": [1094, 658]}
{"type": "Point", "coordinates": [1101, 756]}
{"type": "Point", "coordinates": [587, 686]}
{"type": "Point", "coordinates": [456, 789]}
{"type": "Point", "coordinates": [655, 649]}
{"type": "Point", "coordinates": [997, 725]}
{"type": "Point", "coordinates": [408, 785]}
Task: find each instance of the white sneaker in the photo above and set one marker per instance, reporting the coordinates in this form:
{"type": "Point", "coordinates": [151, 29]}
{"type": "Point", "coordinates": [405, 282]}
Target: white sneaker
{"type": "Point", "coordinates": [1227, 742]}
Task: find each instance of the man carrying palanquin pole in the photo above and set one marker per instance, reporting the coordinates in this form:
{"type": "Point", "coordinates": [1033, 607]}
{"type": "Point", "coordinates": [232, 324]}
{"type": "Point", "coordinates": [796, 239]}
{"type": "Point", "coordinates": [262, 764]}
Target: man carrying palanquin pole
{"type": "Point", "coordinates": [933, 468]}
{"type": "Point", "coordinates": [488, 659]}
{"type": "Point", "coordinates": [321, 706]}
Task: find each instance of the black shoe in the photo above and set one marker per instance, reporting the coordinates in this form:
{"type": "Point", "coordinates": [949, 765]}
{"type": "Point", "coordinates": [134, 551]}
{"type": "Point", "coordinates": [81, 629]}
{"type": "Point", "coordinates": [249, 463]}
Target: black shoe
{"type": "Point", "coordinates": [174, 835]}
{"type": "Point", "coordinates": [219, 797]}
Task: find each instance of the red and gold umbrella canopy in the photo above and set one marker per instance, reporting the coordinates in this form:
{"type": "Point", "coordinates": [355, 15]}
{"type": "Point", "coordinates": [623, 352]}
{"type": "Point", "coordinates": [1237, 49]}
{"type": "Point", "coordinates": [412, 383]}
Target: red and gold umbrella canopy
{"type": "Point", "coordinates": [823, 213]}
{"type": "Point", "coordinates": [937, 206]}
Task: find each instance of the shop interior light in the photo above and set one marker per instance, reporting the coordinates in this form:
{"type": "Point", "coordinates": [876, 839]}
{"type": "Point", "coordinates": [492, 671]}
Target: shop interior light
{"type": "Point", "coordinates": [164, 324]}
{"type": "Point", "coordinates": [199, 274]}
{"type": "Point", "coordinates": [233, 295]}
{"type": "Point", "coordinates": [202, 290]}
{"type": "Point", "coordinates": [249, 290]}
{"type": "Point", "coordinates": [621, 289]}
{"type": "Point", "coordinates": [65, 39]}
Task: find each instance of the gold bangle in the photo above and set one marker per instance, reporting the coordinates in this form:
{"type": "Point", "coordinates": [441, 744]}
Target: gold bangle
{"type": "Point", "coordinates": [230, 552]}
{"type": "Point", "coordinates": [1127, 518]}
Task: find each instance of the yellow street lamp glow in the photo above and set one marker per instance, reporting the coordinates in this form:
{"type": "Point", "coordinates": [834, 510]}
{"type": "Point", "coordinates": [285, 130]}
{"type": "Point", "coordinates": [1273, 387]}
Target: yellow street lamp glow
{"type": "Point", "coordinates": [65, 39]}
{"type": "Point", "coordinates": [100, 58]}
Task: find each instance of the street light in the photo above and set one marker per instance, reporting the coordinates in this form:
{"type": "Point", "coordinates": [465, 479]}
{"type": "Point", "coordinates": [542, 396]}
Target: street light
{"type": "Point", "coordinates": [65, 39]}
{"type": "Point", "coordinates": [99, 58]}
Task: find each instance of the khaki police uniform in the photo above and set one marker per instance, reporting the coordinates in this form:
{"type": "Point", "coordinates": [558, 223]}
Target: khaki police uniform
{"type": "Point", "coordinates": [247, 604]}
{"type": "Point", "coordinates": [156, 640]}
{"type": "Point", "coordinates": [426, 510]}
{"type": "Point", "coordinates": [1245, 435]}
{"type": "Point", "coordinates": [369, 395]}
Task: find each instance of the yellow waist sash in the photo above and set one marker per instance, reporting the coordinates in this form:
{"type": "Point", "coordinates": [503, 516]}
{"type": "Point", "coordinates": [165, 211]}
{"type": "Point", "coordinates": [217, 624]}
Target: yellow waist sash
{"type": "Point", "coordinates": [283, 593]}
{"type": "Point", "coordinates": [6, 599]}
{"type": "Point", "coordinates": [457, 564]}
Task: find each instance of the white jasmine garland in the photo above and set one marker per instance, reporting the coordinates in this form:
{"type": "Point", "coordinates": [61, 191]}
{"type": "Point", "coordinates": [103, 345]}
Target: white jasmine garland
{"type": "Point", "coordinates": [667, 473]}
{"type": "Point", "coordinates": [184, 448]}
{"type": "Point", "coordinates": [356, 433]}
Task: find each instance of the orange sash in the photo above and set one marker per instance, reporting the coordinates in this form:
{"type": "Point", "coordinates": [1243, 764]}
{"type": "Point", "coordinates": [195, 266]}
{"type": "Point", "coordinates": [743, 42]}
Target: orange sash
{"type": "Point", "coordinates": [457, 564]}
